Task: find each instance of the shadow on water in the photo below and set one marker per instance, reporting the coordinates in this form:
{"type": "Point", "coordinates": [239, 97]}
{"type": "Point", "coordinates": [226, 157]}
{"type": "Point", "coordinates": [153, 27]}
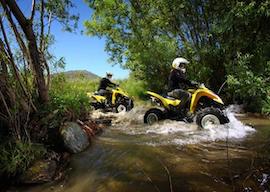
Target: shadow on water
{"type": "Point", "coordinates": [171, 156]}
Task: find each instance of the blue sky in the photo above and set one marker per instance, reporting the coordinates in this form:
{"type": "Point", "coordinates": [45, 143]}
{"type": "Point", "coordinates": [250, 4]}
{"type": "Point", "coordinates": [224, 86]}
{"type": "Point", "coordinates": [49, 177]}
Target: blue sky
{"type": "Point", "coordinates": [82, 52]}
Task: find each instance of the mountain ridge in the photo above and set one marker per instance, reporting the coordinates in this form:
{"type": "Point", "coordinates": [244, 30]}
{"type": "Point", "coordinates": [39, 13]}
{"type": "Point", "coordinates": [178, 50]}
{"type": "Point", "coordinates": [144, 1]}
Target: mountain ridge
{"type": "Point", "coordinates": [79, 74]}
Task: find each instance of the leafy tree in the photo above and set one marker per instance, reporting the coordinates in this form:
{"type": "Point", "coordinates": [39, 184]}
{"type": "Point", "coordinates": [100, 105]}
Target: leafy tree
{"type": "Point", "coordinates": [24, 43]}
{"type": "Point", "coordinates": [244, 36]}
{"type": "Point", "coordinates": [145, 36]}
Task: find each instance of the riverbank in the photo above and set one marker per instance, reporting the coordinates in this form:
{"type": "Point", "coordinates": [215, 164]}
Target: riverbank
{"type": "Point", "coordinates": [51, 164]}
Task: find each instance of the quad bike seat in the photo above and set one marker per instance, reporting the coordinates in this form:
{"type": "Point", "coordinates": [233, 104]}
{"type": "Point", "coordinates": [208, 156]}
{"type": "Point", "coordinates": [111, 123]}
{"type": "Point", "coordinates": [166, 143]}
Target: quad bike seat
{"type": "Point", "coordinates": [98, 93]}
{"type": "Point", "coordinates": [169, 97]}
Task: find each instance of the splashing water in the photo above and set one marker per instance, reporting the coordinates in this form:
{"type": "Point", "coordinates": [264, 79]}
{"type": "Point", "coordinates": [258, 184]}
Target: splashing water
{"type": "Point", "coordinates": [170, 132]}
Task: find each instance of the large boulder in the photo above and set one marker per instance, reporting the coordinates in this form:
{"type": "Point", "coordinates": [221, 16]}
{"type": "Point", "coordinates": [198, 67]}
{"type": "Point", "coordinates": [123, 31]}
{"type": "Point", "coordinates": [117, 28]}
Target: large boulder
{"type": "Point", "coordinates": [74, 137]}
{"type": "Point", "coordinates": [40, 172]}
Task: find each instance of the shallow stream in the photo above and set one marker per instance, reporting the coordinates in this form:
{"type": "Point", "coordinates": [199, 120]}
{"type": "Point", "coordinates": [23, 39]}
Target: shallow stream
{"type": "Point", "coordinates": [171, 156]}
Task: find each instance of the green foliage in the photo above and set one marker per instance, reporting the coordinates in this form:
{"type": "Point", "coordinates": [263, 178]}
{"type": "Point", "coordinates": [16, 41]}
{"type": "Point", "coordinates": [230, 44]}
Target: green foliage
{"type": "Point", "coordinates": [145, 36]}
{"type": "Point", "coordinates": [15, 157]}
{"type": "Point", "coordinates": [135, 88]}
{"type": "Point", "coordinates": [25, 59]}
{"type": "Point", "coordinates": [247, 85]}
{"type": "Point", "coordinates": [70, 97]}
{"type": "Point", "coordinates": [266, 106]}
{"type": "Point", "coordinates": [61, 10]}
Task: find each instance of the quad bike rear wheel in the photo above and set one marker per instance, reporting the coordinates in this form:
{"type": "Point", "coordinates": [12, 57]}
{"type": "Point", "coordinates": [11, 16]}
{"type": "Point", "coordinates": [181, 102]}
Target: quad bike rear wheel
{"type": "Point", "coordinates": [210, 116]}
{"type": "Point", "coordinates": [152, 116]}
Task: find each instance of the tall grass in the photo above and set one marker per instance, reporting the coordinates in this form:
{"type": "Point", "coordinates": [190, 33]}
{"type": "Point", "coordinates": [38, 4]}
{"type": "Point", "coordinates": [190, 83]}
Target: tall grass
{"type": "Point", "coordinates": [15, 157]}
{"type": "Point", "coordinates": [69, 97]}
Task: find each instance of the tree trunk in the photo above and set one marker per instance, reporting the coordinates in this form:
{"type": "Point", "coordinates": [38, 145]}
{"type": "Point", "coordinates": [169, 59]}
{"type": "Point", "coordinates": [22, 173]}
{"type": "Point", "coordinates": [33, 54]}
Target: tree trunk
{"type": "Point", "coordinates": [27, 27]}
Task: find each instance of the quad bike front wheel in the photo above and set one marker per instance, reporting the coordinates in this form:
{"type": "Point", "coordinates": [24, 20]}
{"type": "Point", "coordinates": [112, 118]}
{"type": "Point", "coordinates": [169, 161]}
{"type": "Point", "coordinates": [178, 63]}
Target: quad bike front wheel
{"type": "Point", "coordinates": [97, 105]}
{"type": "Point", "coordinates": [121, 107]}
{"type": "Point", "coordinates": [210, 116]}
{"type": "Point", "coordinates": [124, 106]}
{"type": "Point", "coordinates": [152, 116]}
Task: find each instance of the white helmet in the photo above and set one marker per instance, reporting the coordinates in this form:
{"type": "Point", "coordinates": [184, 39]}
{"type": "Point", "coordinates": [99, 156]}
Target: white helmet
{"type": "Point", "coordinates": [109, 74]}
{"type": "Point", "coordinates": [176, 64]}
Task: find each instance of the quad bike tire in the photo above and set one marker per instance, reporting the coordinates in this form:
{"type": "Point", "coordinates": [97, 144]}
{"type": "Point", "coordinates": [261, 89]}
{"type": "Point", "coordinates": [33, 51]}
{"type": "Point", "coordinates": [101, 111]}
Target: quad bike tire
{"type": "Point", "coordinates": [210, 115]}
{"type": "Point", "coordinates": [152, 116]}
{"type": "Point", "coordinates": [97, 105]}
{"type": "Point", "coordinates": [125, 105]}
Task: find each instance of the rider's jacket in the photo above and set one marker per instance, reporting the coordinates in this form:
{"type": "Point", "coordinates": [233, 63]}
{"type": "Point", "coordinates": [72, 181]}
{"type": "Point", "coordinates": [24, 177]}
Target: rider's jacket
{"type": "Point", "coordinates": [177, 80]}
{"type": "Point", "coordinates": [104, 83]}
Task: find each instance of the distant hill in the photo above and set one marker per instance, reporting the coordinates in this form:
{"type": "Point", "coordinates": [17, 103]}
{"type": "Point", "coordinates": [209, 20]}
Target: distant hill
{"type": "Point", "coordinates": [80, 74]}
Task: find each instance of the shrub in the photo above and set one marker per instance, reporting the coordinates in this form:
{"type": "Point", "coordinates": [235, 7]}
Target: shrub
{"type": "Point", "coordinates": [70, 97]}
{"type": "Point", "coordinates": [266, 106]}
{"type": "Point", "coordinates": [15, 157]}
{"type": "Point", "coordinates": [135, 88]}
{"type": "Point", "coordinates": [249, 86]}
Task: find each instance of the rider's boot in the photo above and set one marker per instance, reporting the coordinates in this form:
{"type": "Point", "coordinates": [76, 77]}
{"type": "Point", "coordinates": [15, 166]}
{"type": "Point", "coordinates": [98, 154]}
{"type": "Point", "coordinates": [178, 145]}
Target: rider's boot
{"type": "Point", "coordinates": [189, 117]}
{"type": "Point", "coordinates": [186, 116]}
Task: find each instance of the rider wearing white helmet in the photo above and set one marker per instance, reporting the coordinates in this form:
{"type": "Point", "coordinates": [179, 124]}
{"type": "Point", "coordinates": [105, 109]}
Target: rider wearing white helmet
{"type": "Point", "coordinates": [178, 83]}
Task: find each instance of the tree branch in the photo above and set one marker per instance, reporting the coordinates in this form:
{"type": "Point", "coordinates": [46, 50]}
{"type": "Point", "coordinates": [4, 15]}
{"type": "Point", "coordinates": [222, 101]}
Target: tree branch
{"type": "Point", "coordinates": [27, 28]}
{"type": "Point", "coordinates": [16, 11]}
{"type": "Point", "coordinates": [21, 43]}
{"type": "Point", "coordinates": [4, 117]}
{"type": "Point", "coordinates": [33, 10]}
{"type": "Point", "coordinates": [13, 65]}
{"type": "Point", "coordinates": [41, 42]}
{"type": "Point", "coordinates": [49, 23]}
{"type": "Point", "coordinates": [5, 105]}
{"type": "Point", "coordinates": [15, 71]}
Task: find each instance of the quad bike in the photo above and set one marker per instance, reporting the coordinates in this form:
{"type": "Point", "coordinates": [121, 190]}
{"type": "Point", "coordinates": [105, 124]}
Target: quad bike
{"type": "Point", "coordinates": [205, 106]}
{"type": "Point", "coordinates": [118, 101]}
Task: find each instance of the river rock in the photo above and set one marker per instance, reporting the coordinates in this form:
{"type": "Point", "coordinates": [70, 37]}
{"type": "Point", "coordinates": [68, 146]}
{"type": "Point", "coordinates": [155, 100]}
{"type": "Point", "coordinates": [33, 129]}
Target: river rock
{"type": "Point", "coordinates": [74, 137]}
{"type": "Point", "coordinates": [40, 172]}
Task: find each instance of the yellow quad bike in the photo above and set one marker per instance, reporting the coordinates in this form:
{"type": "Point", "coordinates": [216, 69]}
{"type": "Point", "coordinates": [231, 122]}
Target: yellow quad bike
{"type": "Point", "coordinates": [205, 106]}
{"type": "Point", "coordinates": [119, 101]}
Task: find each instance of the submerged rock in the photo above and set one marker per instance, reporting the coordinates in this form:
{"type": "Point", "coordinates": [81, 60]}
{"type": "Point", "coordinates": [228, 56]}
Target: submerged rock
{"type": "Point", "coordinates": [74, 137]}
{"type": "Point", "coordinates": [40, 172]}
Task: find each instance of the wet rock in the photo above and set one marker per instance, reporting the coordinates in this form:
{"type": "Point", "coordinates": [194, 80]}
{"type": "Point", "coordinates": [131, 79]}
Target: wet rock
{"type": "Point", "coordinates": [74, 137]}
{"type": "Point", "coordinates": [40, 172]}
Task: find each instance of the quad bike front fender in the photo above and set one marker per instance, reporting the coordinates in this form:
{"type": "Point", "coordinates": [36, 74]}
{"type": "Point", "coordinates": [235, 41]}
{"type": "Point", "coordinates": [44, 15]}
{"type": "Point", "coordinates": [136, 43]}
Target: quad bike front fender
{"type": "Point", "coordinates": [197, 95]}
{"type": "Point", "coordinates": [117, 92]}
{"type": "Point", "coordinates": [98, 98]}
